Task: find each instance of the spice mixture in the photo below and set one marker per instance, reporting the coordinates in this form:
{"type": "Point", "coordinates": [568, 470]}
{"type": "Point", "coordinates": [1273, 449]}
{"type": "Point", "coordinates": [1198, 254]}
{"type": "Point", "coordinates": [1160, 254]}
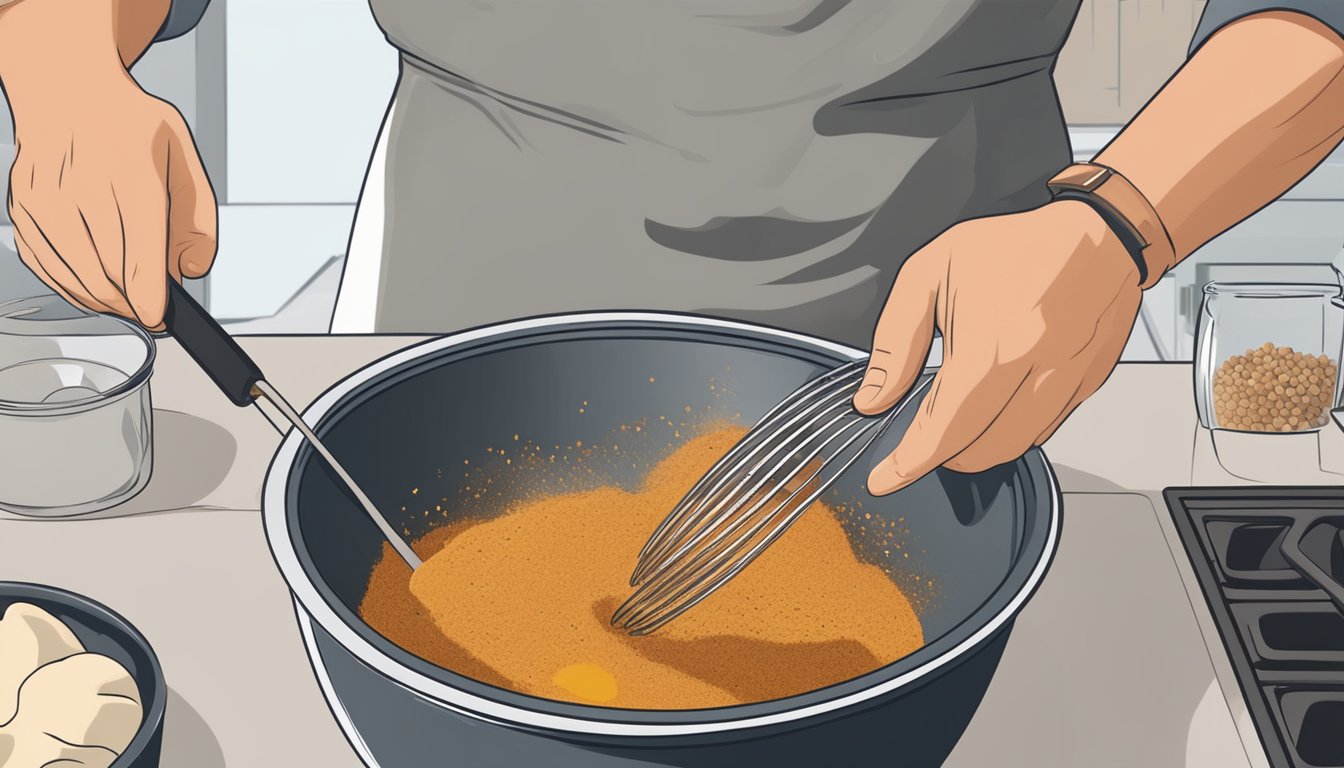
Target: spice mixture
{"type": "Point", "coordinates": [523, 601]}
{"type": "Point", "coordinates": [1274, 389]}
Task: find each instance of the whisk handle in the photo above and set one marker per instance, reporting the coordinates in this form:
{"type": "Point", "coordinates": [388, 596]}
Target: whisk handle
{"type": "Point", "coordinates": [213, 349]}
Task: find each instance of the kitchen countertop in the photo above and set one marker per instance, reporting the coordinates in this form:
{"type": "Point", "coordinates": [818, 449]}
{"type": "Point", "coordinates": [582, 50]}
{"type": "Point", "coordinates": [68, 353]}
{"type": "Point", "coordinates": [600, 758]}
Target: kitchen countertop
{"type": "Point", "coordinates": [1114, 661]}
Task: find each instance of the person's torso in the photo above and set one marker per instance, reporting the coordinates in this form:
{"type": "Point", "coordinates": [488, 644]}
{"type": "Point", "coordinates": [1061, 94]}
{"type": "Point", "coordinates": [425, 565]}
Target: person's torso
{"type": "Point", "coordinates": [771, 160]}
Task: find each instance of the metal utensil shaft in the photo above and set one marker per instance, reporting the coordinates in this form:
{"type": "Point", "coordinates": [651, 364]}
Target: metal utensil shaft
{"type": "Point", "coordinates": [264, 389]}
{"type": "Point", "coordinates": [241, 380]}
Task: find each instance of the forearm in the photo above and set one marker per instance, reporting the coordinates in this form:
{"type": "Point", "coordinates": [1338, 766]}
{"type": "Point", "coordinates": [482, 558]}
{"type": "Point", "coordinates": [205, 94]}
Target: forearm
{"type": "Point", "coordinates": [1258, 106]}
{"type": "Point", "coordinates": [53, 49]}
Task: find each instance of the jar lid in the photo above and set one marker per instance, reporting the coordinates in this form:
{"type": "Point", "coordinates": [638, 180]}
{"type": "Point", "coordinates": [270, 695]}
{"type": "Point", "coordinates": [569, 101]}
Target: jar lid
{"type": "Point", "coordinates": [55, 357]}
{"type": "Point", "coordinates": [1274, 290]}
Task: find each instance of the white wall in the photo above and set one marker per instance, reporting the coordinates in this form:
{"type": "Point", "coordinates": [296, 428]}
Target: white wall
{"type": "Point", "coordinates": [306, 83]}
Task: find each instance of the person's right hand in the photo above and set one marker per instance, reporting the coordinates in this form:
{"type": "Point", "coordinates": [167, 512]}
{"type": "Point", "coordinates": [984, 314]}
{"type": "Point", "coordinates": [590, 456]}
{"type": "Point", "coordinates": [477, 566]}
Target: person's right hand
{"type": "Point", "coordinates": [108, 195]}
{"type": "Point", "coordinates": [1035, 309]}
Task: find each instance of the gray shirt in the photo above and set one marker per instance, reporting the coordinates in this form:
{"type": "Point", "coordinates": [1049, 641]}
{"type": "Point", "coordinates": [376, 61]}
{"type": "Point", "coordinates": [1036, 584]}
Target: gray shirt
{"type": "Point", "coordinates": [1220, 13]}
{"type": "Point", "coordinates": [755, 159]}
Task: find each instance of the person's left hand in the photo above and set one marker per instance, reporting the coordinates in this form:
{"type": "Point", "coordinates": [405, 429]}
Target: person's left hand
{"type": "Point", "coordinates": [1034, 308]}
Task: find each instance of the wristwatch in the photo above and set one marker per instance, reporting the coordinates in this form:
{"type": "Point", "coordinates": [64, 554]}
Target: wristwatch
{"type": "Point", "coordinates": [1125, 210]}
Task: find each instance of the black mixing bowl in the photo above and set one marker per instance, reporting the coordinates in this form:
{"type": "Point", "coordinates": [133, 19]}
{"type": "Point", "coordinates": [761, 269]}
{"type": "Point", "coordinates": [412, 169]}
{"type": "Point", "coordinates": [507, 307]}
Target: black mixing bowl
{"type": "Point", "coordinates": [409, 421]}
{"type": "Point", "coordinates": [103, 631]}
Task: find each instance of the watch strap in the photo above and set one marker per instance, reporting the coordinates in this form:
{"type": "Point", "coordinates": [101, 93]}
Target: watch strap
{"type": "Point", "coordinates": [1128, 237]}
{"type": "Point", "coordinates": [1128, 209]}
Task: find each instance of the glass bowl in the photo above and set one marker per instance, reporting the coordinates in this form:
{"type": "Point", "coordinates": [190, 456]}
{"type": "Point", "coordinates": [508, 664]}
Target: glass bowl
{"type": "Point", "coordinates": [75, 414]}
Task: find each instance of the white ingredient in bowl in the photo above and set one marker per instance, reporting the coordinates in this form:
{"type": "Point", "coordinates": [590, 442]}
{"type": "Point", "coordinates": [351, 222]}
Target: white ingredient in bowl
{"type": "Point", "coordinates": [58, 702]}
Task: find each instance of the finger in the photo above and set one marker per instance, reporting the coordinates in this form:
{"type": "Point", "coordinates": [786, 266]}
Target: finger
{"type": "Point", "coordinates": [142, 211]}
{"type": "Point", "coordinates": [962, 402]}
{"type": "Point", "coordinates": [1015, 430]}
{"type": "Point", "coordinates": [57, 272]}
{"type": "Point", "coordinates": [30, 261]}
{"type": "Point", "coordinates": [192, 214]}
{"type": "Point", "coordinates": [901, 340]}
{"type": "Point", "coordinates": [65, 232]}
{"type": "Point", "coordinates": [98, 213]}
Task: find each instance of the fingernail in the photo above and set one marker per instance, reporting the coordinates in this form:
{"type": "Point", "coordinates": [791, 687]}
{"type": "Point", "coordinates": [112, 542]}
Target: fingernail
{"type": "Point", "coordinates": [193, 267]}
{"type": "Point", "coordinates": [886, 478]}
{"type": "Point", "coordinates": [871, 386]}
{"type": "Point", "coordinates": [867, 394]}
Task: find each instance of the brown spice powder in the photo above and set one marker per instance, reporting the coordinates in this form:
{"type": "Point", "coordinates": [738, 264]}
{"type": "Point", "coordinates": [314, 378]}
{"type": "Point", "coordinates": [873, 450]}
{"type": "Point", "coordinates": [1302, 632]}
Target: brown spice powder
{"type": "Point", "coordinates": [523, 601]}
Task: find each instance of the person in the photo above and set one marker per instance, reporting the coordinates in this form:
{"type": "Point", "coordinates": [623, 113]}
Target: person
{"type": "Point", "coordinates": [784, 163]}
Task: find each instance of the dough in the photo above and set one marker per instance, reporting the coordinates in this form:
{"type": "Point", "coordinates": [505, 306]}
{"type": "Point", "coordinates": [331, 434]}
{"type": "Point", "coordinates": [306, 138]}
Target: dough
{"type": "Point", "coordinates": [29, 638]}
{"type": "Point", "coordinates": [79, 708]}
{"type": "Point", "coordinates": [86, 699]}
{"type": "Point", "coordinates": [38, 750]}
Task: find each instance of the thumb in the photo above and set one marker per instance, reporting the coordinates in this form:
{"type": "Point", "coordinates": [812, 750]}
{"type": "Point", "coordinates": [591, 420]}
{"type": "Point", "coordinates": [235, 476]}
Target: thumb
{"type": "Point", "coordinates": [901, 340]}
{"type": "Point", "coordinates": [192, 214]}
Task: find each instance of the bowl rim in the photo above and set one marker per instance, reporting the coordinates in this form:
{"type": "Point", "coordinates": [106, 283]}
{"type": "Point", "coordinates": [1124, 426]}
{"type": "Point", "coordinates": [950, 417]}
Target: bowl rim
{"type": "Point", "coordinates": [607, 722]}
{"type": "Point", "coordinates": [151, 719]}
{"type": "Point", "coordinates": [134, 379]}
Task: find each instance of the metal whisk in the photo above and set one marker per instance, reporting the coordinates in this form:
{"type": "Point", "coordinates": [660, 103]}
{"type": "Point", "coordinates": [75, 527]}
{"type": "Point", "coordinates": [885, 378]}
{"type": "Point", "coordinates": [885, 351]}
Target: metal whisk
{"type": "Point", "coordinates": [752, 495]}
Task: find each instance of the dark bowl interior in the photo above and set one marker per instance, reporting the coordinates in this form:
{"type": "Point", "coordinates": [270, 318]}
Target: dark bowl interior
{"type": "Point", "coordinates": [971, 540]}
{"type": "Point", "coordinates": [103, 631]}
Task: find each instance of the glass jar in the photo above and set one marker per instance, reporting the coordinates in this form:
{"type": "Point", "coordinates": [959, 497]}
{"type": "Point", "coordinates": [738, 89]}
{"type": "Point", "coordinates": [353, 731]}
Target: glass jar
{"type": "Point", "coordinates": [75, 415]}
{"type": "Point", "coordinates": [1267, 356]}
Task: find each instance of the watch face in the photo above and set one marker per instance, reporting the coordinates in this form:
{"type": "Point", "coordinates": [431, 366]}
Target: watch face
{"type": "Point", "coordinates": [1084, 177]}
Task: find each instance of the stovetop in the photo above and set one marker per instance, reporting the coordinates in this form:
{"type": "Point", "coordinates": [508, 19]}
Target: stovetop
{"type": "Point", "coordinates": [1270, 561]}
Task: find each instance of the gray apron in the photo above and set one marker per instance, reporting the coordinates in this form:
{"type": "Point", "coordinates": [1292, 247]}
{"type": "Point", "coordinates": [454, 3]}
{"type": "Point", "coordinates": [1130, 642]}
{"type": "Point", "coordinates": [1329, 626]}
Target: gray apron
{"type": "Point", "coordinates": [773, 161]}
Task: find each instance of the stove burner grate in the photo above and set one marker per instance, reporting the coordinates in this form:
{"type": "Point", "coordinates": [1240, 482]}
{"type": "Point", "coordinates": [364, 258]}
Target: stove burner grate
{"type": "Point", "coordinates": [1270, 563]}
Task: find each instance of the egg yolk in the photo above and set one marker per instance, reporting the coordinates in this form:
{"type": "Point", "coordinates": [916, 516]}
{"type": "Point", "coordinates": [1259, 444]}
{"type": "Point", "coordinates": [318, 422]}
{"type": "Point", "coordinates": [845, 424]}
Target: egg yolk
{"type": "Point", "coordinates": [587, 681]}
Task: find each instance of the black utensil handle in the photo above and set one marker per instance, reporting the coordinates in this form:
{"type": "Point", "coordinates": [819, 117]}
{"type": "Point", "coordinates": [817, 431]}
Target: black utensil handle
{"type": "Point", "coordinates": [213, 349]}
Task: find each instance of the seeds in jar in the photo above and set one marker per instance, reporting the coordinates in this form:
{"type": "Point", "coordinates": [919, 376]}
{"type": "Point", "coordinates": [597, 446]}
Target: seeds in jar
{"type": "Point", "coordinates": [1274, 389]}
